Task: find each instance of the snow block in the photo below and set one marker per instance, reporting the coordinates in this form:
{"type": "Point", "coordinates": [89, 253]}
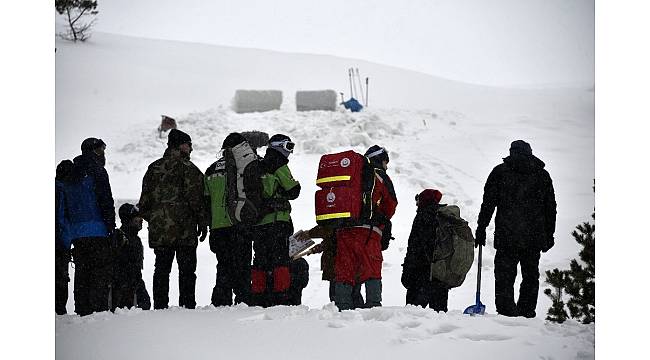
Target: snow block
{"type": "Point", "coordinates": [246, 101]}
{"type": "Point", "coordinates": [316, 100]}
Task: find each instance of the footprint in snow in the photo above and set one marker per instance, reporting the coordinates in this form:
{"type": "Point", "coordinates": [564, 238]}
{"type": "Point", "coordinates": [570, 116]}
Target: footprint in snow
{"type": "Point", "coordinates": [409, 324]}
{"type": "Point", "coordinates": [442, 329]}
{"type": "Point", "coordinates": [485, 337]}
{"type": "Point", "coordinates": [336, 325]}
{"type": "Point", "coordinates": [506, 322]}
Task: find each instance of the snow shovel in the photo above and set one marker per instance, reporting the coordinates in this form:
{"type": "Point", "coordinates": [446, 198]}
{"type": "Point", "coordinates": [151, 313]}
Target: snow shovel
{"type": "Point", "coordinates": [478, 308]}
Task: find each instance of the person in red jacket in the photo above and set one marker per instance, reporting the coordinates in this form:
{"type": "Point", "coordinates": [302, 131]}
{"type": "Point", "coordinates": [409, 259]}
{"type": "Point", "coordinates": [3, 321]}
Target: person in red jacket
{"type": "Point", "coordinates": [358, 248]}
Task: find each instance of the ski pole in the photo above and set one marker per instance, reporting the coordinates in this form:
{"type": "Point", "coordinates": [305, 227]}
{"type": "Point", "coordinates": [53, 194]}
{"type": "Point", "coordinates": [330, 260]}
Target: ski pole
{"type": "Point", "coordinates": [350, 78]}
{"type": "Point", "coordinates": [358, 81]}
{"type": "Point", "coordinates": [366, 91]}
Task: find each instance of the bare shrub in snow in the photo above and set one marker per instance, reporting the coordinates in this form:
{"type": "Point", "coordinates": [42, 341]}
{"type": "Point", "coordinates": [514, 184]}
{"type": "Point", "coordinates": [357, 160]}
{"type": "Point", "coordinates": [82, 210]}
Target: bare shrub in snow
{"type": "Point", "coordinates": [80, 16]}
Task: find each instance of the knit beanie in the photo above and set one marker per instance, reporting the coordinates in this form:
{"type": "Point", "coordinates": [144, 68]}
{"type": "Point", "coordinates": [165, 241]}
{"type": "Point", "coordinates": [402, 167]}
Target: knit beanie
{"type": "Point", "coordinates": [520, 147]}
{"type": "Point", "coordinates": [232, 140]}
{"type": "Point", "coordinates": [176, 138]}
{"type": "Point", "coordinates": [91, 144]}
{"type": "Point", "coordinates": [127, 212]}
{"type": "Point", "coordinates": [428, 197]}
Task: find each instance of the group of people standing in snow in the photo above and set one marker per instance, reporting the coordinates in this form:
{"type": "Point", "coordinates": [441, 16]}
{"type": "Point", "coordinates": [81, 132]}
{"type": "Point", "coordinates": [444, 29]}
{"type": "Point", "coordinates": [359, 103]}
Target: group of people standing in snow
{"type": "Point", "coordinates": [183, 206]}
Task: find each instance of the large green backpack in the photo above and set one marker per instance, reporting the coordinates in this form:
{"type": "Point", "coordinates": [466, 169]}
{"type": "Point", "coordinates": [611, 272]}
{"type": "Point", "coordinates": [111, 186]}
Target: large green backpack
{"type": "Point", "coordinates": [453, 253]}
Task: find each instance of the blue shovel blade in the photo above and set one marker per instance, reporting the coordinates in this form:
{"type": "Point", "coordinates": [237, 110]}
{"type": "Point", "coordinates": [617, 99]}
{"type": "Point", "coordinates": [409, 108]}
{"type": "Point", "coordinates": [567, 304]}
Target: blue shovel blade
{"type": "Point", "coordinates": [478, 309]}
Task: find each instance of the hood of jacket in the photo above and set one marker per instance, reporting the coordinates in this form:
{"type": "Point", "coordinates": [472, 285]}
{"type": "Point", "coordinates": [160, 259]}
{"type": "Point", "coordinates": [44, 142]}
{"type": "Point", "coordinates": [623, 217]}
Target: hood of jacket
{"type": "Point", "coordinates": [525, 164]}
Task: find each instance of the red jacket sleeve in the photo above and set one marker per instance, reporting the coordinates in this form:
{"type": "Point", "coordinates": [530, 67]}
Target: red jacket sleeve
{"type": "Point", "coordinates": [384, 195]}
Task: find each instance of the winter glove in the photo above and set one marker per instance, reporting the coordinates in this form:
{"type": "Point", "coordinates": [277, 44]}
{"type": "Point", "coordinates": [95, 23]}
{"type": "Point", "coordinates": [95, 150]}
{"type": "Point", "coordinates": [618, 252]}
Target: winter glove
{"type": "Point", "coordinates": [548, 244]}
{"type": "Point", "coordinates": [387, 235]}
{"type": "Point", "coordinates": [480, 237]}
{"type": "Point", "coordinates": [301, 235]}
{"type": "Point", "coordinates": [203, 232]}
{"type": "Point", "coordinates": [407, 276]}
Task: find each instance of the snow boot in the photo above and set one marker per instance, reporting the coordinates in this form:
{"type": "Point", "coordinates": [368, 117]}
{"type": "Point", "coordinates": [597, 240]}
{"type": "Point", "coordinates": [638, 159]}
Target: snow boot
{"type": "Point", "coordinates": [343, 296]}
{"type": "Point", "coordinates": [373, 293]}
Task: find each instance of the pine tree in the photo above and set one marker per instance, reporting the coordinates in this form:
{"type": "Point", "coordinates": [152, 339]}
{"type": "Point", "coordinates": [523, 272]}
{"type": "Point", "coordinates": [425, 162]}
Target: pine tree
{"type": "Point", "coordinates": [582, 287]}
{"type": "Point", "coordinates": [578, 282]}
{"type": "Point", "coordinates": [558, 280]}
{"type": "Point", "coordinates": [80, 15]}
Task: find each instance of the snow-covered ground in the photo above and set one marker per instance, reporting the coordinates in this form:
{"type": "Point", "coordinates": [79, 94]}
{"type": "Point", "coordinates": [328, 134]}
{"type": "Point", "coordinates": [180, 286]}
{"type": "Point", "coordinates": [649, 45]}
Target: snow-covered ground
{"type": "Point", "coordinates": [440, 134]}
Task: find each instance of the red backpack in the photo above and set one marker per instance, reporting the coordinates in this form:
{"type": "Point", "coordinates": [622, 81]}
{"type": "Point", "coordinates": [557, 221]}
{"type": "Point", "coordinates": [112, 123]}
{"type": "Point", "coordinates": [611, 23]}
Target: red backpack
{"type": "Point", "coordinates": [346, 182]}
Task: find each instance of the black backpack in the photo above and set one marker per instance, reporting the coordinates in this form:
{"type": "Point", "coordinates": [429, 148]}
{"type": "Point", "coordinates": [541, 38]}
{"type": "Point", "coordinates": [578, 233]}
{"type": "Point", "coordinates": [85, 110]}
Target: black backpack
{"type": "Point", "coordinates": [244, 187]}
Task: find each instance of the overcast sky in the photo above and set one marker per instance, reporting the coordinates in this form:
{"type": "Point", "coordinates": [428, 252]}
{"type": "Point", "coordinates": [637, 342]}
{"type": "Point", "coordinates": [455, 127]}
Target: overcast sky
{"type": "Point", "coordinates": [496, 42]}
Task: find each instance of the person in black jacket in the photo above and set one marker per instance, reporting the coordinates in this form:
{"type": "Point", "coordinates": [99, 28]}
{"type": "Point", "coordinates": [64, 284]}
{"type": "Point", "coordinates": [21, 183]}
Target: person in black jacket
{"type": "Point", "coordinates": [128, 261]}
{"type": "Point", "coordinates": [62, 255]}
{"type": "Point", "coordinates": [421, 290]}
{"type": "Point", "coordinates": [522, 192]}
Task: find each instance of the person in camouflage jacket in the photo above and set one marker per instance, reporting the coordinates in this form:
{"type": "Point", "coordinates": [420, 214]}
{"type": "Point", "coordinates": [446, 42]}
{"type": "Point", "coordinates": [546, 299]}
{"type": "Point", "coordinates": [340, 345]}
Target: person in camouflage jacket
{"type": "Point", "coordinates": [172, 204]}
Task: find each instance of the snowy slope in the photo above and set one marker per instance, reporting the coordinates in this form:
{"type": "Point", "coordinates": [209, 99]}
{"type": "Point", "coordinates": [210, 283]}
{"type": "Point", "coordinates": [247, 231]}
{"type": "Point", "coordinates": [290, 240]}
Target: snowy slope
{"type": "Point", "coordinates": [440, 134]}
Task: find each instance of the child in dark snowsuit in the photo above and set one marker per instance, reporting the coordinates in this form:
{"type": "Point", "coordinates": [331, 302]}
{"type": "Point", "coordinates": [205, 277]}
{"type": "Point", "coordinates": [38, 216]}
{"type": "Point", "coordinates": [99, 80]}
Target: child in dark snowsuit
{"type": "Point", "coordinates": [421, 289]}
{"type": "Point", "coordinates": [128, 287]}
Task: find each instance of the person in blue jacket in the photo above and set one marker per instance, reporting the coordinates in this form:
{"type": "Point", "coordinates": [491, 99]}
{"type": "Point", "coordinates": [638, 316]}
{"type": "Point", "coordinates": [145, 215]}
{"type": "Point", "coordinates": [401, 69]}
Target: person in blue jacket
{"type": "Point", "coordinates": [85, 209]}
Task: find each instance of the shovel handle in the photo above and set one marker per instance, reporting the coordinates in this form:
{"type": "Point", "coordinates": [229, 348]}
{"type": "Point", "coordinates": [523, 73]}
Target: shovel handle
{"type": "Point", "coordinates": [478, 277]}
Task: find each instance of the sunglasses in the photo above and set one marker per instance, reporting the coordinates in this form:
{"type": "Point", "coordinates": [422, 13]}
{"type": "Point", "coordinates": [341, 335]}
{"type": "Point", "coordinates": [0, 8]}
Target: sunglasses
{"type": "Point", "coordinates": [284, 144]}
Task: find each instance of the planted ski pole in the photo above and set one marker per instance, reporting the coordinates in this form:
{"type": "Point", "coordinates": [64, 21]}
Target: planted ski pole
{"type": "Point", "coordinates": [350, 78]}
{"type": "Point", "coordinates": [358, 82]}
{"type": "Point", "coordinates": [366, 92]}
{"type": "Point", "coordinates": [477, 308]}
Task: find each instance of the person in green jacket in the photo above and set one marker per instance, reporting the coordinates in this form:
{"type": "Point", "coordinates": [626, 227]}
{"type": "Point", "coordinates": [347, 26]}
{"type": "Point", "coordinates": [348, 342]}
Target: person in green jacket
{"type": "Point", "coordinates": [228, 242]}
{"type": "Point", "coordinates": [270, 274]}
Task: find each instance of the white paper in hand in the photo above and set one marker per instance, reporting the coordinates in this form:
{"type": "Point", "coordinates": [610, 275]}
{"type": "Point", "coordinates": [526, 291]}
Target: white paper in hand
{"type": "Point", "coordinates": [297, 246]}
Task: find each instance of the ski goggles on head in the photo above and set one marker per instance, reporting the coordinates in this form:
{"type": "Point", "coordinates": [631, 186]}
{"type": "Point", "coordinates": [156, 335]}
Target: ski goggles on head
{"type": "Point", "coordinates": [378, 152]}
{"type": "Point", "coordinates": [284, 144]}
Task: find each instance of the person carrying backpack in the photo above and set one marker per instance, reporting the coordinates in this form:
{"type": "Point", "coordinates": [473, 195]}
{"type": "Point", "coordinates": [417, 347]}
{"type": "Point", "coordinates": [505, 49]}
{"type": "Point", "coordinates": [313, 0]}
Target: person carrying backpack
{"type": "Point", "coordinates": [522, 193]}
{"type": "Point", "coordinates": [83, 222]}
{"type": "Point", "coordinates": [359, 247]}
{"type": "Point", "coordinates": [172, 203]}
{"type": "Point", "coordinates": [228, 242]}
{"type": "Point", "coordinates": [421, 289]}
{"type": "Point", "coordinates": [128, 261]}
{"type": "Point", "coordinates": [270, 275]}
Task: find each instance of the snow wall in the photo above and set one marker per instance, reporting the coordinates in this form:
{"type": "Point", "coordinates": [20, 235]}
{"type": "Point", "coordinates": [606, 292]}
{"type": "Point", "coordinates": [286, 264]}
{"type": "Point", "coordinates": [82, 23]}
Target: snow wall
{"type": "Point", "coordinates": [316, 100]}
{"type": "Point", "coordinates": [246, 101]}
